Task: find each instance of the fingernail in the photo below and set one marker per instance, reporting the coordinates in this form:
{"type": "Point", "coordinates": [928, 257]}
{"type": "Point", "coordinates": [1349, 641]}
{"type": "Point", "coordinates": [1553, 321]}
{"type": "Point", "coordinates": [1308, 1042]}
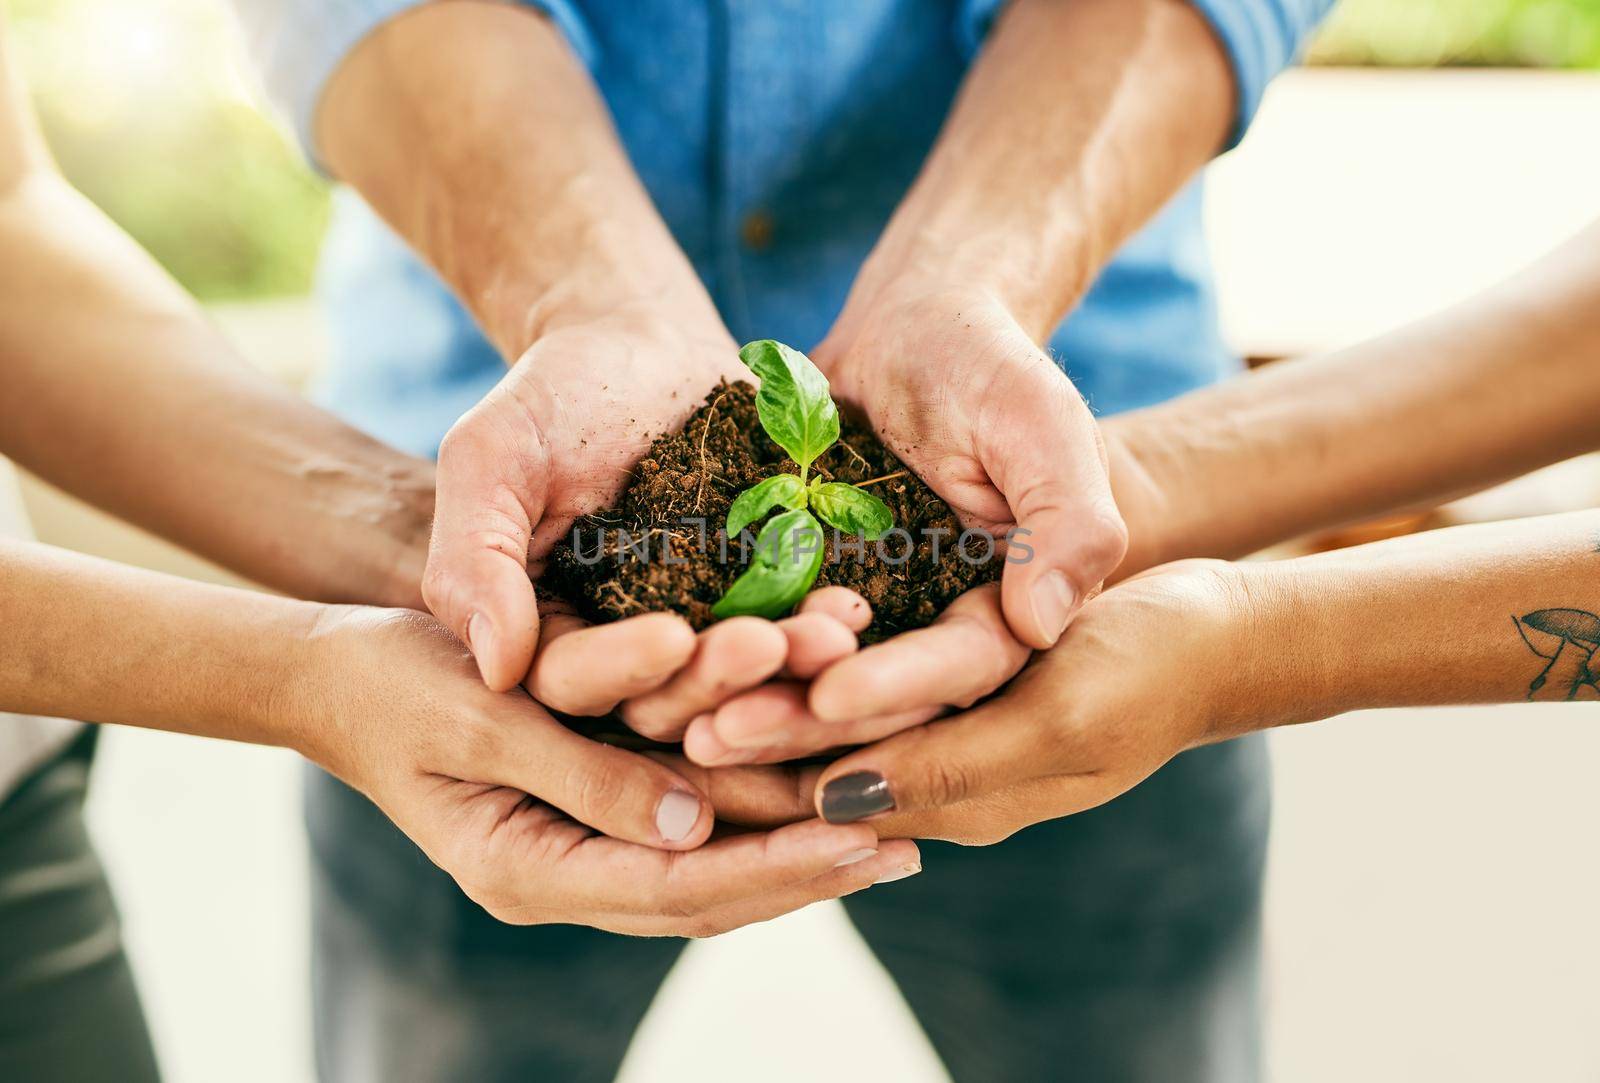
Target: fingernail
{"type": "Point", "coordinates": [854, 856]}
{"type": "Point", "coordinates": [1053, 599]}
{"type": "Point", "coordinates": [898, 874]}
{"type": "Point", "coordinates": [478, 630]}
{"type": "Point", "coordinates": [856, 796]}
{"type": "Point", "coordinates": [676, 815]}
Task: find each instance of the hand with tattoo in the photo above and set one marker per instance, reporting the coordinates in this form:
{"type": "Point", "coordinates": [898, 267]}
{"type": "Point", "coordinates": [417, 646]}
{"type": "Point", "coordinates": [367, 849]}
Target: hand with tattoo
{"type": "Point", "coordinates": [1204, 651]}
{"type": "Point", "coordinates": [1567, 639]}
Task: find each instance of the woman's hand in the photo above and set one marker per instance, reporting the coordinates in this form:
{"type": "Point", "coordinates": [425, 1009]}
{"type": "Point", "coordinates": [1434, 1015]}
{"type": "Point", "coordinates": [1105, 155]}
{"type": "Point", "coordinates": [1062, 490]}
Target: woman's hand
{"type": "Point", "coordinates": [657, 675]}
{"type": "Point", "coordinates": [1164, 662]}
{"type": "Point", "coordinates": [752, 691]}
{"type": "Point", "coordinates": [539, 824]}
{"type": "Point", "coordinates": [966, 654]}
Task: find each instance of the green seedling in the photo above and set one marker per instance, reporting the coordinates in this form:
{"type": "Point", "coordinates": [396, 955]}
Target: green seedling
{"type": "Point", "coordinates": [798, 413]}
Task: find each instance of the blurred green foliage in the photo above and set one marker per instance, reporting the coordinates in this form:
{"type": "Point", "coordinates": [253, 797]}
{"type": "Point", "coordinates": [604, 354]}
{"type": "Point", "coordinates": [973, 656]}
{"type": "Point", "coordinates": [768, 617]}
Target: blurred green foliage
{"type": "Point", "coordinates": [151, 110]}
{"type": "Point", "coordinates": [1431, 33]}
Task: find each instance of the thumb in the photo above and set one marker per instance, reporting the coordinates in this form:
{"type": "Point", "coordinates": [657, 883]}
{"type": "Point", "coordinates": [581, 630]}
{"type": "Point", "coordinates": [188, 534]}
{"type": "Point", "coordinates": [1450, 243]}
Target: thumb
{"type": "Point", "coordinates": [476, 580]}
{"type": "Point", "coordinates": [1049, 463]}
{"type": "Point", "coordinates": [947, 762]}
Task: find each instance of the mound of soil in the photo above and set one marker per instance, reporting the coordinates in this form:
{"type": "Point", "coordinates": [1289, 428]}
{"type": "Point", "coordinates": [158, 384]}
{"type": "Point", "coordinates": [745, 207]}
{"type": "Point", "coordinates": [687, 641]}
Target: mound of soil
{"type": "Point", "coordinates": [651, 553]}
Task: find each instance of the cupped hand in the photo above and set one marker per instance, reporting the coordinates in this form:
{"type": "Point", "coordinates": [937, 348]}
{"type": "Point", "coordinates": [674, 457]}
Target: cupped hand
{"type": "Point", "coordinates": [960, 392]}
{"type": "Point", "coordinates": [553, 441]}
{"type": "Point", "coordinates": [658, 675]}
{"type": "Point", "coordinates": [539, 824]}
{"type": "Point", "coordinates": [1163, 662]}
{"type": "Point", "coordinates": [965, 654]}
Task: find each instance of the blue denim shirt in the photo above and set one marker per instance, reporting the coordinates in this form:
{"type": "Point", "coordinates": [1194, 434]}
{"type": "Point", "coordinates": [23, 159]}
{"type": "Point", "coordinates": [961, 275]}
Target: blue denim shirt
{"type": "Point", "coordinates": [809, 116]}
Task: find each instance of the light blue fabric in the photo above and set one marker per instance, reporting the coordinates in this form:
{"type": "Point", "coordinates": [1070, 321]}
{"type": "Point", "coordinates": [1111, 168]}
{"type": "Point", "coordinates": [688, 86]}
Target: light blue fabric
{"type": "Point", "coordinates": [815, 113]}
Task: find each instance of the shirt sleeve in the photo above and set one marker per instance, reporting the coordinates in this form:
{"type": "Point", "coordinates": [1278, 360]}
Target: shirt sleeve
{"type": "Point", "coordinates": [297, 45]}
{"type": "Point", "coordinates": [1261, 38]}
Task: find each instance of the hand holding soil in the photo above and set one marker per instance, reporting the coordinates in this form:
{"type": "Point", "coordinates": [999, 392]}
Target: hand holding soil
{"type": "Point", "coordinates": [663, 546]}
{"type": "Point", "coordinates": [555, 440]}
{"type": "Point", "coordinates": [971, 404]}
{"type": "Point", "coordinates": [656, 551]}
{"type": "Point", "coordinates": [955, 386]}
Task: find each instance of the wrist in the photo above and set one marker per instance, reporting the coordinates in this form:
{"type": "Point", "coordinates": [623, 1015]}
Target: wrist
{"type": "Point", "coordinates": [319, 662]}
{"type": "Point", "coordinates": [1149, 506]}
{"type": "Point", "coordinates": [940, 261]}
{"type": "Point", "coordinates": [644, 347]}
{"type": "Point", "coordinates": [389, 572]}
{"type": "Point", "coordinates": [262, 647]}
{"type": "Point", "coordinates": [360, 531]}
{"type": "Point", "coordinates": [616, 276]}
{"type": "Point", "coordinates": [1188, 478]}
{"type": "Point", "coordinates": [1288, 668]}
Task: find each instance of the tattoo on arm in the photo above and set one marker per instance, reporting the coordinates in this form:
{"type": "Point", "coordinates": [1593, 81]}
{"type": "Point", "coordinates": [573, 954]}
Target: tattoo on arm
{"type": "Point", "coordinates": [1568, 640]}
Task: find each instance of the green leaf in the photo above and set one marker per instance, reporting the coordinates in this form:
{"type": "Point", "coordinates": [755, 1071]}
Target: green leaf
{"type": "Point", "coordinates": [787, 558]}
{"type": "Point", "coordinates": [852, 510]}
{"type": "Point", "coordinates": [785, 490]}
{"type": "Point", "coordinates": [793, 403]}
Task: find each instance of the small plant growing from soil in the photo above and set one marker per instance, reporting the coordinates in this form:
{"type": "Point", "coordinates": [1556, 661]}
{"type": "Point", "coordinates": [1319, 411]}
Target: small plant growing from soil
{"type": "Point", "coordinates": [797, 412]}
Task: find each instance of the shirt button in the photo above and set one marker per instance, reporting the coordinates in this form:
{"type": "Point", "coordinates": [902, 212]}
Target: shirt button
{"type": "Point", "coordinates": [756, 230]}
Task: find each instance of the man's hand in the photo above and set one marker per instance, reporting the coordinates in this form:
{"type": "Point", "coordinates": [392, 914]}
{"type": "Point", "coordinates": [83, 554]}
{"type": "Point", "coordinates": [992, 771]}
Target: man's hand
{"type": "Point", "coordinates": [555, 440]}
{"type": "Point", "coordinates": [1162, 663]}
{"type": "Point", "coordinates": [480, 138]}
{"type": "Point", "coordinates": [508, 801]}
{"type": "Point", "coordinates": [960, 392]}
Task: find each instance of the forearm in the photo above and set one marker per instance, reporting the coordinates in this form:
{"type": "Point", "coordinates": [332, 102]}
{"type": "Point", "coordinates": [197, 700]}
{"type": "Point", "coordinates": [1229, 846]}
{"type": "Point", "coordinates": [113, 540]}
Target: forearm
{"type": "Point", "coordinates": [1450, 616]}
{"type": "Point", "coordinates": [120, 391]}
{"type": "Point", "coordinates": [85, 638]}
{"type": "Point", "coordinates": [474, 131]}
{"type": "Point", "coordinates": [1488, 390]}
{"type": "Point", "coordinates": [1076, 124]}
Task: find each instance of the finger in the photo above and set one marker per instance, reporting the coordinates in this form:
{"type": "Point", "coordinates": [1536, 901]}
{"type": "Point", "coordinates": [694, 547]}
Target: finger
{"type": "Point", "coordinates": [754, 797]}
{"type": "Point", "coordinates": [891, 861]}
{"type": "Point", "coordinates": [774, 714]}
{"type": "Point", "coordinates": [476, 579]}
{"type": "Point", "coordinates": [584, 669]}
{"type": "Point", "coordinates": [773, 724]}
{"type": "Point", "coordinates": [619, 793]}
{"type": "Point", "coordinates": [966, 653]}
{"type": "Point", "coordinates": [607, 875]}
{"type": "Point", "coordinates": [841, 603]}
{"type": "Point", "coordinates": [994, 817]}
{"type": "Point", "coordinates": [816, 641]}
{"type": "Point", "coordinates": [1049, 462]}
{"type": "Point", "coordinates": [944, 762]}
{"type": "Point", "coordinates": [731, 656]}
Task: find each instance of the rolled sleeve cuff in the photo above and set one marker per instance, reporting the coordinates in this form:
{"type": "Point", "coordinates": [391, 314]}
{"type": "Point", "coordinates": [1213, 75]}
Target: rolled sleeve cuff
{"type": "Point", "coordinates": [299, 44]}
{"type": "Point", "coordinates": [1261, 38]}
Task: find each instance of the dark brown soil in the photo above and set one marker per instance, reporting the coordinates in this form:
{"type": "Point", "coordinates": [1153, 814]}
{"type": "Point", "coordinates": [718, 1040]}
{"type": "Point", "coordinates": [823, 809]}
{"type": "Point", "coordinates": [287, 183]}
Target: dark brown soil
{"type": "Point", "coordinates": [653, 556]}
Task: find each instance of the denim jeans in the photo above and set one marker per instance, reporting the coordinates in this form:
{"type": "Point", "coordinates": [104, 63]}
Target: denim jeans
{"type": "Point", "coordinates": [69, 1011]}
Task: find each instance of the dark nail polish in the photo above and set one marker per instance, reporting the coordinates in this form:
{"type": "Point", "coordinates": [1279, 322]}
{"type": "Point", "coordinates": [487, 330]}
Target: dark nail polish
{"type": "Point", "coordinates": [856, 796]}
